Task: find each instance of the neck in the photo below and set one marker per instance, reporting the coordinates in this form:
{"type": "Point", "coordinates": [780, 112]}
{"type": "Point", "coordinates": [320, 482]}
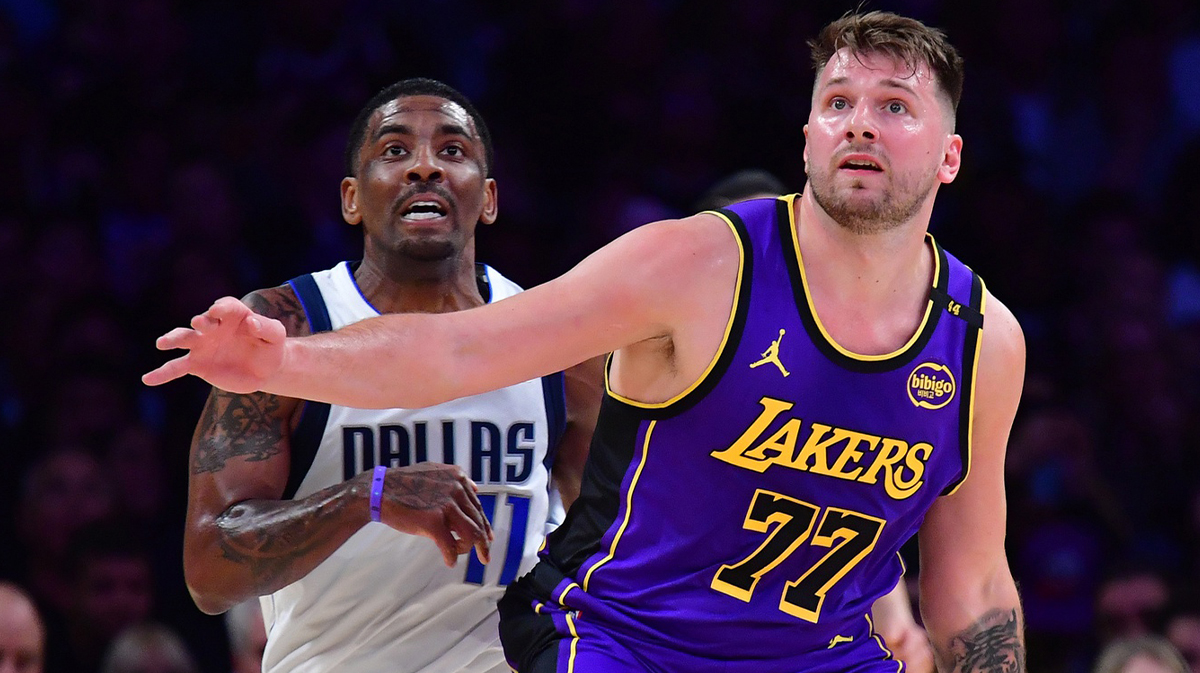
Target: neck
{"type": "Point", "coordinates": [401, 285]}
{"type": "Point", "coordinates": [866, 269]}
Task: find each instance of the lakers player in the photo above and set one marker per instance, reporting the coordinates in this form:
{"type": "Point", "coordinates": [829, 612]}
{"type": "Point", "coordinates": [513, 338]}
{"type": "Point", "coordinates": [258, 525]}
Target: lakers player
{"type": "Point", "coordinates": [351, 523]}
{"type": "Point", "coordinates": [733, 519]}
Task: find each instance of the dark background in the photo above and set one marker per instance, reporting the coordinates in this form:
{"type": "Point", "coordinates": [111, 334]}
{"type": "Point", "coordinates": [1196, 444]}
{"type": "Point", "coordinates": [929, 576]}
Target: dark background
{"type": "Point", "coordinates": [157, 154]}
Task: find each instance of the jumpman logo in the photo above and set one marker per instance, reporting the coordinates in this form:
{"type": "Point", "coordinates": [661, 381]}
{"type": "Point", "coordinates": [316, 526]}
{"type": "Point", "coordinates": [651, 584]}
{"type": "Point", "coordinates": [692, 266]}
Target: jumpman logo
{"type": "Point", "coordinates": [839, 639]}
{"type": "Point", "coordinates": [772, 355]}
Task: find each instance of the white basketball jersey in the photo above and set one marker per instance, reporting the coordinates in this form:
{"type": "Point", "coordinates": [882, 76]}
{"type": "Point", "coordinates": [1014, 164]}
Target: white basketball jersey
{"type": "Point", "coordinates": [385, 601]}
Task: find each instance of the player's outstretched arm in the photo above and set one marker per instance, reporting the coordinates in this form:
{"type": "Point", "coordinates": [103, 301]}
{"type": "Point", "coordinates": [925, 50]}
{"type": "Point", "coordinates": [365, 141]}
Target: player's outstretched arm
{"type": "Point", "coordinates": [242, 540]}
{"type": "Point", "coordinates": [642, 286]}
{"type": "Point", "coordinates": [969, 601]}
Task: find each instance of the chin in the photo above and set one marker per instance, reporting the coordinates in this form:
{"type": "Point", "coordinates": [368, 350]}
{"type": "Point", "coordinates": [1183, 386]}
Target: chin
{"type": "Point", "coordinates": [427, 251]}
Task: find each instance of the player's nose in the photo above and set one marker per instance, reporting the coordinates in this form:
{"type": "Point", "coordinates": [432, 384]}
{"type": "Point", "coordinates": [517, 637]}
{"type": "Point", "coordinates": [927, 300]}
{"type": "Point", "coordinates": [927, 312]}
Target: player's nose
{"type": "Point", "coordinates": [425, 166]}
{"type": "Point", "coordinates": [862, 124]}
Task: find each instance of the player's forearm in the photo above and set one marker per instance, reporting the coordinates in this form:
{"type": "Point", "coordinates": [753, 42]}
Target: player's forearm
{"type": "Point", "coordinates": [256, 547]}
{"type": "Point", "coordinates": [978, 632]}
{"type": "Point", "coordinates": [389, 361]}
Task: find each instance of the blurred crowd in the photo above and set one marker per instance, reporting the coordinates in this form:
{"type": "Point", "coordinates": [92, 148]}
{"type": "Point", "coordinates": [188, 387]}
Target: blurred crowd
{"type": "Point", "coordinates": [158, 154]}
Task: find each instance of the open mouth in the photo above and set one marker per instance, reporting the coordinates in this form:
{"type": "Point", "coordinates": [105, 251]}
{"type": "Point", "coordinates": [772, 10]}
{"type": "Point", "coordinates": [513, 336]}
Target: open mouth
{"type": "Point", "coordinates": [422, 210]}
{"type": "Point", "coordinates": [861, 164]}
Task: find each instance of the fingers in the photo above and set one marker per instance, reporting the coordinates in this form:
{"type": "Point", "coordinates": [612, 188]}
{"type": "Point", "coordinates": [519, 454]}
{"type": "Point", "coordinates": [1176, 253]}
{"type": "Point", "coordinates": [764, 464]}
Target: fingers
{"type": "Point", "coordinates": [448, 546]}
{"type": "Point", "coordinates": [167, 372]}
{"type": "Point", "coordinates": [180, 337]}
{"type": "Point", "coordinates": [469, 533]}
{"type": "Point", "coordinates": [475, 506]}
{"type": "Point", "coordinates": [267, 329]}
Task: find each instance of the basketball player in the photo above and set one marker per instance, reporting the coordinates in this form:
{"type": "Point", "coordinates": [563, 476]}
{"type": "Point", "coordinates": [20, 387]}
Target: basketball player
{"type": "Point", "coordinates": [280, 490]}
{"type": "Point", "coordinates": [734, 519]}
{"type": "Point", "coordinates": [891, 614]}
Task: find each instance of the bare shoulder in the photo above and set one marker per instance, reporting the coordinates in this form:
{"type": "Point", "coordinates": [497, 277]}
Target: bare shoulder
{"type": "Point", "coordinates": [281, 303]}
{"type": "Point", "coordinates": [1003, 343]}
{"type": "Point", "coordinates": [682, 253]}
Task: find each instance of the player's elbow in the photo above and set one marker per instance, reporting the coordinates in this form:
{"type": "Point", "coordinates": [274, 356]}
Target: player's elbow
{"type": "Point", "coordinates": [206, 591]}
{"type": "Point", "coordinates": [212, 590]}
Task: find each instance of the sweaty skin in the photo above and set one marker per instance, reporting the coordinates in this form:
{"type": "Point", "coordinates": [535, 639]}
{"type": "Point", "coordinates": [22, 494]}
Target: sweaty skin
{"type": "Point", "coordinates": [660, 298]}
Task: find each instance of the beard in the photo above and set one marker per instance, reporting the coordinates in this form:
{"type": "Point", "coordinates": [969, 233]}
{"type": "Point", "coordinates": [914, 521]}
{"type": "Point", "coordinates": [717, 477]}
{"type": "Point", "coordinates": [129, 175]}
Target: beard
{"type": "Point", "coordinates": [901, 199]}
{"type": "Point", "coordinates": [427, 249]}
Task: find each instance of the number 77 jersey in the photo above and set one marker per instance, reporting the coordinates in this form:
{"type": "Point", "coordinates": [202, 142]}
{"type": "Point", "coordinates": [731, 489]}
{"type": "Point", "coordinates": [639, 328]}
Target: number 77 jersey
{"type": "Point", "coordinates": [750, 523]}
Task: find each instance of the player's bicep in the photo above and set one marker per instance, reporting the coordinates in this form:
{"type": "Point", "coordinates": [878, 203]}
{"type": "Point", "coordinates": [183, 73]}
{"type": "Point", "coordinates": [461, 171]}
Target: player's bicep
{"type": "Point", "coordinates": [240, 450]}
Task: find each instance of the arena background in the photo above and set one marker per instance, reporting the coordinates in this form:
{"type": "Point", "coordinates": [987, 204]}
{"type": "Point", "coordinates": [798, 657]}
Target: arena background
{"type": "Point", "coordinates": [157, 154]}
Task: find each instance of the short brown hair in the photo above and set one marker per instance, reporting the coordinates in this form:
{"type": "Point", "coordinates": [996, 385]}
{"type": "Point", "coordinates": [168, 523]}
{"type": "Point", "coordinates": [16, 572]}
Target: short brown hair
{"type": "Point", "coordinates": [896, 36]}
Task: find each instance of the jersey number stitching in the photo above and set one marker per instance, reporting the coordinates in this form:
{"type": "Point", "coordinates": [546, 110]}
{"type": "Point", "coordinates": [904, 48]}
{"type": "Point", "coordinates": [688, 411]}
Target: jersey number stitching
{"type": "Point", "coordinates": [516, 538]}
{"type": "Point", "coordinates": [849, 535]}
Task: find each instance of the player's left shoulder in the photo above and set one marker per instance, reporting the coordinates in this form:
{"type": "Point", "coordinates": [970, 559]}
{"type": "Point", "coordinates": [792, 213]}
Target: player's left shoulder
{"type": "Point", "coordinates": [1001, 351]}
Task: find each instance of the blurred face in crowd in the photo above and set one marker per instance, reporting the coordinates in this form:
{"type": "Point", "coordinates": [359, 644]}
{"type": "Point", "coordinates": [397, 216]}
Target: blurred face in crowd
{"type": "Point", "coordinates": [878, 142]}
{"type": "Point", "coordinates": [22, 638]}
{"type": "Point", "coordinates": [113, 593]}
{"type": "Point", "coordinates": [1131, 606]}
{"type": "Point", "coordinates": [63, 493]}
{"type": "Point", "coordinates": [421, 184]}
{"type": "Point", "coordinates": [1184, 633]}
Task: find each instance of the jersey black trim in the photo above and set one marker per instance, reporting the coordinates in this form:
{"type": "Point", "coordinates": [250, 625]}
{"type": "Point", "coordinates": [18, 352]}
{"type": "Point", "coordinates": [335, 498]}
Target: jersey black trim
{"type": "Point", "coordinates": [713, 375]}
{"type": "Point", "coordinates": [783, 221]}
{"type": "Point", "coordinates": [966, 401]}
{"type": "Point", "coordinates": [594, 513]}
{"type": "Point", "coordinates": [306, 439]}
{"type": "Point", "coordinates": [965, 312]}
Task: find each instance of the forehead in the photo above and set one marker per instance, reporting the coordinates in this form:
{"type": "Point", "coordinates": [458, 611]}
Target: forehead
{"type": "Point", "coordinates": [875, 69]}
{"type": "Point", "coordinates": [414, 111]}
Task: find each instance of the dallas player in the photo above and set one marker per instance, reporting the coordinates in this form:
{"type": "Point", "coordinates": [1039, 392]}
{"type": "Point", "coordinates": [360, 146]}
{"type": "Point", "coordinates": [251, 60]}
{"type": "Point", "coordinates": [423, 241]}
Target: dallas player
{"type": "Point", "coordinates": [280, 494]}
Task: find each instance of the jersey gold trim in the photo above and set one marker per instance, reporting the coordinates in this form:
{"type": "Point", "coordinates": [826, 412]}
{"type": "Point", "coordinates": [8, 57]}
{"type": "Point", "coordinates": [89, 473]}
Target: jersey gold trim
{"type": "Point", "coordinates": [612, 549]}
{"type": "Point", "coordinates": [929, 306]}
{"type": "Point", "coordinates": [737, 298]}
{"type": "Point", "coordinates": [968, 455]}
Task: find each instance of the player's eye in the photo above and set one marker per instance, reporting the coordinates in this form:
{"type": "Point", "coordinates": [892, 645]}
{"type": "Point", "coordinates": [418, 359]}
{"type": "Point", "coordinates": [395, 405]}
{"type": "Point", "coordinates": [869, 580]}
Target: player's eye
{"type": "Point", "coordinates": [395, 151]}
{"type": "Point", "coordinates": [896, 107]}
{"type": "Point", "coordinates": [839, 104]}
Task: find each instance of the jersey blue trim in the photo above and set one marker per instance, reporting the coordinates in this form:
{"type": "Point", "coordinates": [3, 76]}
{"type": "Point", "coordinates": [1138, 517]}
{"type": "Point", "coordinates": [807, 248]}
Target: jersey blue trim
{"type": "Point", "coordinates": [555, 394]}
{"type": "Point", "coordinates": [310, 298]}
{"type": "Point", "coordinates": [311, 428]}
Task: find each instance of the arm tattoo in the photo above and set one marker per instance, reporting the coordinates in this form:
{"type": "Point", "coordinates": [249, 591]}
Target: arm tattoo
{"type": "Point", "coordinates": [425, 490]}
{"type": "Point", "coordinates": [991, 645]}
{"type": "Point", "coordinates": [268, 537]}
{"type": "Point", "coordinates": [248, 426]}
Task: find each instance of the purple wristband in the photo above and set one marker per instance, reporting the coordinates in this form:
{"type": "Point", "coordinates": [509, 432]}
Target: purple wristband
{"type": "Point", "coordinates": [377, 492]}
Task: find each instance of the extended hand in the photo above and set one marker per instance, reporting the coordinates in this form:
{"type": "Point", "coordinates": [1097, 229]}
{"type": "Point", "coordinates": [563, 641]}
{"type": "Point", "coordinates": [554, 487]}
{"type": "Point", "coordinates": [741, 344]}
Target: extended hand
{"type": "Point", "coordinates": [438, 502]}
{"type": "Point", "coordinates": [230, 346]}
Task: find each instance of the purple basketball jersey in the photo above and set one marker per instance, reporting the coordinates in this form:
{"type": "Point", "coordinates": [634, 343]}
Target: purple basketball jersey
{"type": "Point", "coordinates": [750, 523]}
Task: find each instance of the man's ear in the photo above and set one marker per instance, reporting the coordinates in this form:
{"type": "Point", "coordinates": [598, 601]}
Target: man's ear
{"type": "Point", "coordinates": [350, 201]}
{"type": "Point", "coordinates": [951, 159]}
{"type": "Point", "coordinates": [491, 204]}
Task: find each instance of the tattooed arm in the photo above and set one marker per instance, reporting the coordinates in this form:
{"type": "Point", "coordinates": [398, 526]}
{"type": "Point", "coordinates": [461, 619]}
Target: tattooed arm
{"type": "Point", "coordinates": [969, 601]}
{"type": "Point", "coordinates": [243, 541]}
